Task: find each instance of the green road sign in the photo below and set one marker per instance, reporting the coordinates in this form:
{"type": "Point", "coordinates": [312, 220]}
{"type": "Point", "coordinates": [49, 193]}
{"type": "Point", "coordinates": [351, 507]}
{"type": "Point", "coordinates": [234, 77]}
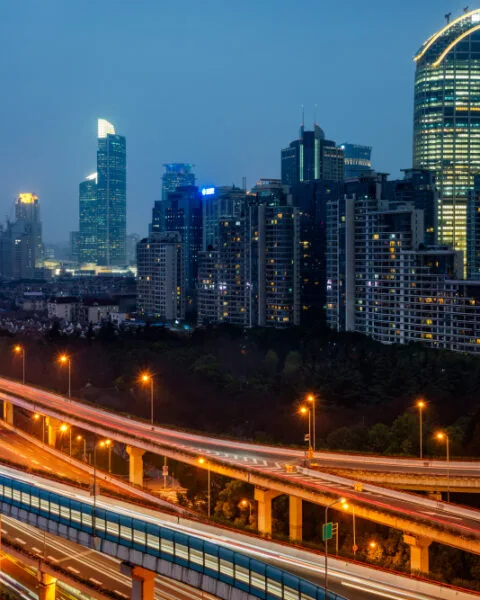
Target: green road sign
{"type": "Point", "coordinates": [327, 531]}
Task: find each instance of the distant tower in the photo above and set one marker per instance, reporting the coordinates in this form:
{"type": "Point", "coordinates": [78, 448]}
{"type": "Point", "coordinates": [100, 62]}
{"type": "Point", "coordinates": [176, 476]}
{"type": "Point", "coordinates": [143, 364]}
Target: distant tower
{"type": "Point", "coordinates": [87, 250]}
{"type": "Point", "coordinates": [111, 196]}
{"type": "Point", "coordinates": [26, 239]}
{"type": "Point", "coordinates": [175, 176]}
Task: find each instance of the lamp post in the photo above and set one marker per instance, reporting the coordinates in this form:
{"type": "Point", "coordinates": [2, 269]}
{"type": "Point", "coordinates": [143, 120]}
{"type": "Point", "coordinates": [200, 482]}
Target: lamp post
{"type": "Point", "coordinates": [145, 379]}
{"type": "Point", "coordinates": [203, 461]}
{"type": "Point", "coordinates": [354, 527]}
{"type": "Point", "coordinates": [21, 350]}
{"type": "Point", "coordinates": [64, 359]}
{"type": "Point", "coordinates": [38, 417]}
{"type": "Point", "coordinates": [80, 438]}
{"type": "Point", "coordinates": [421, 404]}
{"type": "Point", "coordinates": [63, 429]}
{"type": "Point", "coordinates": [441, 435]}
{"type": "Point", "coordinates": [244, 503]}
{"type": "Point", "coordinates": [313, 400]}
{"type": "Point", "coordinates": [337, 501]}
{"type": "Point", "coordinates": [306, 410]}
{"type": "Point", "coordinates": [107, 444]}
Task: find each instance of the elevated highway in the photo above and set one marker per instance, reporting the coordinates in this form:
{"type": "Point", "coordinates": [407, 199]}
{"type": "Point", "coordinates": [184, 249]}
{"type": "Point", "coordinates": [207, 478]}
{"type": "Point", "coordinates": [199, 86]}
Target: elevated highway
{"type": "Point", "coordinates": [128, 531]}
{"type": "Point", "coordinates": [275, 471]}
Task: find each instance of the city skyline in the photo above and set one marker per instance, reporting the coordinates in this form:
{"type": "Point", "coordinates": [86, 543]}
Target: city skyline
{"type": "Point", "coordinates": [165, 124]}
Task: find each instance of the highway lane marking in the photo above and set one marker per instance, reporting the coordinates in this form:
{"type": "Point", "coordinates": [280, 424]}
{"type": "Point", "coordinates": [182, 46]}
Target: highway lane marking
{"type": "Point", "coordinates": [36, 550]}
{"type": "Point", "coordinates": [52, 558]}
{"type": "Point", "coordinates": [120, 593]}
{"type": "Point", "coordinates": [435, 514]}
{"type": "Point", "coordinates": [73, 570]}
{"type": "Point", "coordinates": [20, 541]}
{"type": "Point", "coordinates": [35, 461]}
{"type": "Point", "coordinates": [95, 581]}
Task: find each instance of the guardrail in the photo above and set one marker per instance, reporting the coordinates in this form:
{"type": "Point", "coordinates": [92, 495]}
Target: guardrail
{"type": "Point", "coordinates": [237, 570]}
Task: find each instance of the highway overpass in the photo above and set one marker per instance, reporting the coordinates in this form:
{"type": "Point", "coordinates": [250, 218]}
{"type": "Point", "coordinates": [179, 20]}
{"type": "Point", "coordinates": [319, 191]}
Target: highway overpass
{"type": "Point", "coordinates": [273, 471]}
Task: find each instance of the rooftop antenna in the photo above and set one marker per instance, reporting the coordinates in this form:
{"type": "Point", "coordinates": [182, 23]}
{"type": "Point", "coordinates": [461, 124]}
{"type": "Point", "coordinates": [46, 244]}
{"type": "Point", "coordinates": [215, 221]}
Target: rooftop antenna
{"type": "Point", "coordinates": [448, 17]}
{"type": "Point", "coordinates": [315, 114]}
{"type": "Point", "coordinates": [302, 126]}
{"type": "Point", "coordinates": [465, 10]}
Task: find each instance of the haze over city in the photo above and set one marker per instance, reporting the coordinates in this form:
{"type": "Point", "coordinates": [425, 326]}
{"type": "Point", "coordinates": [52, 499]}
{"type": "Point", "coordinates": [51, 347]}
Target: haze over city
{"type": "Point", "coordinates": [218, 84]}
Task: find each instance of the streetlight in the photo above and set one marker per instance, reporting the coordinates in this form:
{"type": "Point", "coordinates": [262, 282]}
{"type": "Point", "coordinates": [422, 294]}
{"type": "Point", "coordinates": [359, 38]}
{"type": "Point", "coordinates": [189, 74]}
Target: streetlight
{"type": "Point", "coordinates": [421, 404]}
{"type": "Point", "coordinates": [337, 501]}
{"type": "Point", "coordinates": [145, 379]}
{"type": "Point", "coordinates": [64, 428]}
{"type": "Point", "coordinates": [64, 359]}
{"type": "Point", "coordinates": [37, 417]}
{"type": "Point", "coordinates": [313, 400]}
{"type": "Point", "coordinates": [79, 438]}
{"type": "Point", "coordinates": [372, 545]}
{"type": "Point", "coordinates": [442, 436]}
{"type": "Point", "coordinates": [346, 506]}
{"type": "Point", "coordinates": [107, 444]}
{"type": "Point", "coordinates": [203, 461]}
{"type": "Point", "coordinates": [21, 350]}
{"type": "Point", "coordinates": [306, 410]}
{"type": "Point", "coordinates": [246, 503]}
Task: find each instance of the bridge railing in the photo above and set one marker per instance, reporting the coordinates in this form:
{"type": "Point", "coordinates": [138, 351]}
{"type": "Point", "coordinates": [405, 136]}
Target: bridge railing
{"type": "Point", "coordinates": [255, 577]}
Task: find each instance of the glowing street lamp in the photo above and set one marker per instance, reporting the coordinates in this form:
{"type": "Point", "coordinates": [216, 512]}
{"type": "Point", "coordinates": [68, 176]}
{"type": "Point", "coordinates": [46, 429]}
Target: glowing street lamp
{"type": "Point", "coordinates": [443, 437]}
{"type": "Point", "coordinates": [421, 404]}
{"type": "Point", "coordinates": [107, 444]}
{"type": "Point", "coordinates": [313, 400]}
{"type": "Point", "coordinates": [63, 429]}
{"type": "Point", "coordinates": [21, 350]}
{"type": "Point", "coordinates": [346, 507]}
{"type": "Point", "coordinates": [306, 410]}
{"type": "Point", "coordinates": [38, 417]}
{"type": "Point", "coordinates": [147, 378]}
{"type": "Point", "coordinates": [81, 438]}
{"type": "Point", "coordinates": [245, 503]}
{"type": "Point", "coordinates": [64, 359]}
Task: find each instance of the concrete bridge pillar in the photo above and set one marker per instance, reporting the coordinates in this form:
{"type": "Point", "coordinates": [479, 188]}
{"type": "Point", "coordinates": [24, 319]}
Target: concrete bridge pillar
{"type": "Point", "coordinates": [419, 561]}
{"type": "Point", "coordinates": [135, 465]}
{"type": "Point", "coordinates": [295, 518]}
{"type": "Point", "coordinates": [143, 581]}
{"type": "Point", "coordinates": [8, 412]}
{"type": "Point", "coordinates": [47, 586]}
{"type": "Point", "coordinates": [264, 510]}
{"type": "Point", "coordinates": [52, 428]}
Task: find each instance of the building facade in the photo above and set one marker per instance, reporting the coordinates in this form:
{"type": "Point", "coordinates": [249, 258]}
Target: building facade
{"type": "Point", "coordinates": [88, 220]}
{"type": "Point", "coordinates": [161, 277]}
{"type": "Point", "coordinates": [447, 119]}
{"type": "Point", "coordinates": [111, 196]}
{"type": "Point", "coordinates": [358, 159]}
{"type": "Point", "coordinates": [175, 176]}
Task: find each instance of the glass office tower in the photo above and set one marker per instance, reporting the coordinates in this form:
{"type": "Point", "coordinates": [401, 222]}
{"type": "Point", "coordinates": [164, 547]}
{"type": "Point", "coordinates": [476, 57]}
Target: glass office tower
{"type": "Point", "coordinates": [447, 119]}
{"type": "Point", "coordinates": [111, 196]}
{"type": "Point", "coordinates": [87, 245]}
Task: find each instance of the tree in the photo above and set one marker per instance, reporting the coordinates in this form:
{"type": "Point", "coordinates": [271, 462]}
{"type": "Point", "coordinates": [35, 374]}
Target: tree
{"type": "Point", "coordinates": [270, 363]}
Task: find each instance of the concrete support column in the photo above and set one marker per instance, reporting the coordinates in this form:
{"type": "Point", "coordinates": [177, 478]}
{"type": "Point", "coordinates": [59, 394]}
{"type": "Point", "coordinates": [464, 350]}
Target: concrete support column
{"type": "Point", "coordinates": [419, 562]}
{"type": "Point", "coordinates": [295, 518]}
{"type": "Point", "coordinates": [143, 581]}
{"type": "Point", "coordinates": [135, 465]}
{"type": "Point", "coordinates": [437, 496]}
{"type": "Point", "coordinates": [47, 586]}
{"type": "Point", "coordinates": [264, 510]}
{"type": "Point", "coordinates": [52, 428]}
{"type": "Point", "coordinates": [8, 412]}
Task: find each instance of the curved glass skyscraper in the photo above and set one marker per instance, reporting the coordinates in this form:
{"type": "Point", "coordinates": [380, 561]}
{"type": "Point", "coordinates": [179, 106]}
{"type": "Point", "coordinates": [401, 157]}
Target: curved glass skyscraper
{"type": "Point", "coordinates": [447, 119]}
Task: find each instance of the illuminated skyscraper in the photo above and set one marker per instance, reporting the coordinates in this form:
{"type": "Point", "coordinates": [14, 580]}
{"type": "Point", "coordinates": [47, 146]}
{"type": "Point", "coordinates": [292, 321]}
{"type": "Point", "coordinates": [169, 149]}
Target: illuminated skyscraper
{"type": "Point", "coordinates": [175, 176]}
{"type": "Point", "coordinates": [87, 245]}
{"type": "Point", "coordinates": [447, 119]}
{"type": "Point", "coordinates": [24, 240]}
{"type": "Point", "coordinates": [111, 196]}
{"type": "Point", "coordinates": [358, 159]}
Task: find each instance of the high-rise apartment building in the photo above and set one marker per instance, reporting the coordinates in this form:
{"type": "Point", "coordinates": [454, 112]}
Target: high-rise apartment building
{"type": "Point", "coordinates": [311, 157]}
{"type": "Point", "coordinates": [175, 176]}
{"type": "Point", "coordinates": [219, 202]}
{"type": "Point", "coordinates": [181, 211]}
{"type": "Point", "coordinates": [418, 187]}
{"type": "Point", "coordinates": [358, 159]}
{"type": "Point", "coordinates": [111, 196]}
{"type": "Point", "coordinates": [88, 220]}
{"type": "Point", "coordinates": [274, 256]}
{"type": "Point", "coordinates": [473, 231]}
{"type": "Point", "coordinates": [160, 281]}
{"type": "Point", "coordinates": [447, 119]}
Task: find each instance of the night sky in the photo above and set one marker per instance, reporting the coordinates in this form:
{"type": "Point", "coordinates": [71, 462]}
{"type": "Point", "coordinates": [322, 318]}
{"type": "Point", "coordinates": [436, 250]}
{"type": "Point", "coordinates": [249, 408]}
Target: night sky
{"type": "Point", "coordinates": [218, 83]}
